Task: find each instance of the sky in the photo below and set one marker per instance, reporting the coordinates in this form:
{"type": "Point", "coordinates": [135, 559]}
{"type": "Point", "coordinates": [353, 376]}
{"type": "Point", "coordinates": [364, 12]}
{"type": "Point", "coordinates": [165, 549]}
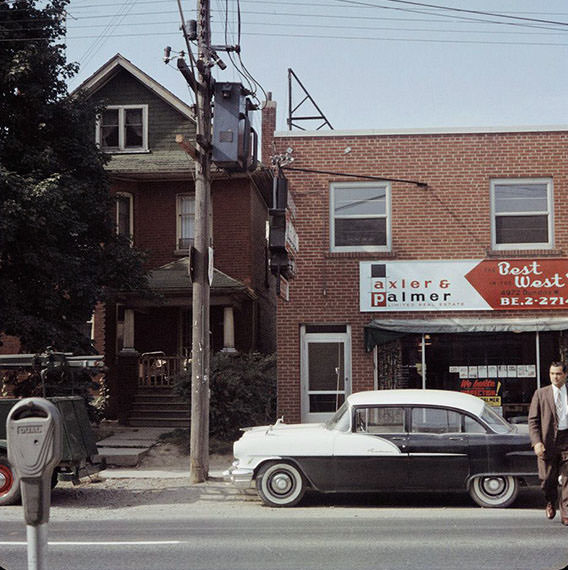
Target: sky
{"type": "Point", "coordinates": [369, 65]}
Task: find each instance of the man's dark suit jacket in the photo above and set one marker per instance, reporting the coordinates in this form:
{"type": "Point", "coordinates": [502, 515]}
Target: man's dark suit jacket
{"type": "Point", "coordinates": [543, 424]}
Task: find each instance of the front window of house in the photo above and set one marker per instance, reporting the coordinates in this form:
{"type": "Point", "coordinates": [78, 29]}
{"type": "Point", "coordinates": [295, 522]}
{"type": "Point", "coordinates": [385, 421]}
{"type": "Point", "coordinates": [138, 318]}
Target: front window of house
{"type": "Point", "coordinates": [123, 128]}
{"type": "Point", "coordinates": [522, 213]}
{"type": "Point", "coordinates": [360, 215]}
{"type": "Point", "coordinates": [185, 221]}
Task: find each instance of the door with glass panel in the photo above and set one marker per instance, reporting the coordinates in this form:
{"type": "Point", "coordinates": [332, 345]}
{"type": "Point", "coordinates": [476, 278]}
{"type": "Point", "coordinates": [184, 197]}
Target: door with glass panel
{"type": "Point", "coordinates": [326, 373]}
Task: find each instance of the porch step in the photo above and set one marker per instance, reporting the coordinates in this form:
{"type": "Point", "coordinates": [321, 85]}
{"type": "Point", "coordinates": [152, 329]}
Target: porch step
{"type": "Point", "coordinates": [158, 408]}
{"type": "Point", "coordinates": [167, 422]}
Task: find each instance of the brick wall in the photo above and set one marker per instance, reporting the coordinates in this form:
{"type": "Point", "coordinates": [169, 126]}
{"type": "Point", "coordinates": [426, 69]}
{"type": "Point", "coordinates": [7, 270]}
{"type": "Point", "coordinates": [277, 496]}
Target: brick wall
{"type": "Point", "coordinates": [450, 219]}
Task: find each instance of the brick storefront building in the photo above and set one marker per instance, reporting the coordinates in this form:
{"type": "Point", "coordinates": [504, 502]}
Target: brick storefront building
{"type": "Point", "coordinates": [431, 259]}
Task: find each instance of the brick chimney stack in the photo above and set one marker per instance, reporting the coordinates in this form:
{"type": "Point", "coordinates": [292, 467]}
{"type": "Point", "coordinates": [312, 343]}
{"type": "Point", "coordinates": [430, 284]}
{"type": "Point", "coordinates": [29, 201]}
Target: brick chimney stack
{"type": "Point", "coordinates": [268, 128]}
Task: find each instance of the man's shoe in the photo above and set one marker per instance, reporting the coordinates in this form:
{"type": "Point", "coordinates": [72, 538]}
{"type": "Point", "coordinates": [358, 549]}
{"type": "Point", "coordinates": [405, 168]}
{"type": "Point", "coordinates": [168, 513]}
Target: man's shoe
{"type": "Point", "coordinates": [551, 512]}
{"type": "Point", "coordinates": [565, 521]}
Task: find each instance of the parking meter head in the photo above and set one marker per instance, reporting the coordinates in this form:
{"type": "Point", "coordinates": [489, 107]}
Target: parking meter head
{"type": "Point", "coordinates": [33, 429]}
{"type": "Point", "coordinates": [34, 432]}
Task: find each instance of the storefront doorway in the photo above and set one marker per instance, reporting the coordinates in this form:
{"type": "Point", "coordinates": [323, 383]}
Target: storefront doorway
{"type": "Point", "coordinates": [325, 370]}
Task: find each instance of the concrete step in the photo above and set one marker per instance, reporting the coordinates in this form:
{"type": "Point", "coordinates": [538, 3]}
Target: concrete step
{"type": "Point", "coordinates": [127, 446]}
{"type": "Point", "coordinates": [123, 457]}
{"type": "Point", "coordinates": [161, 406]}
{"type": "Point", "coordinates": [152, 421]}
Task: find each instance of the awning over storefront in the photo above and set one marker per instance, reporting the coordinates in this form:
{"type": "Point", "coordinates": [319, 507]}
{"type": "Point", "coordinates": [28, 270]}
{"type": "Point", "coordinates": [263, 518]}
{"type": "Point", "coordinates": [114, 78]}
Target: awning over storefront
{"type": "Point", "coordinates": [381, 331]}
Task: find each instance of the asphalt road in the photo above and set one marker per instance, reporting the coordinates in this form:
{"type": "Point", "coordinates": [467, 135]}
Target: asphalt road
{"type": "Point", "coordinates": [355, 532]}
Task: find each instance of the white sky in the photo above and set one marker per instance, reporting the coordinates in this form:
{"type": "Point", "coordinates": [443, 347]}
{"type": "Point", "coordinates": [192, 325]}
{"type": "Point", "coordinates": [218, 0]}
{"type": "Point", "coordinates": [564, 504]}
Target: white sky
{"type": "Point", "coordinates": [369, 64]}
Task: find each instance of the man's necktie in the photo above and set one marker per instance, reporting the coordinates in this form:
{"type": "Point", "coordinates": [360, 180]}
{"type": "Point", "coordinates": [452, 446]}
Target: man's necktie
{"type": "Point", "coordinates": [559, 405]}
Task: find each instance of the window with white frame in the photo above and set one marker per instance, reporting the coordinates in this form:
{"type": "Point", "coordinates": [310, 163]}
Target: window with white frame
{"type": "Point", "coordinates": [123, 128]}
{"type": "Point", "coordinates": [360, 216]}
{"type": "Point", "coordinates": [185, 220]}
{"type": "Point", "coordinates": [124, 215]}
{"type": "Point", "coordinates": [522, 213]}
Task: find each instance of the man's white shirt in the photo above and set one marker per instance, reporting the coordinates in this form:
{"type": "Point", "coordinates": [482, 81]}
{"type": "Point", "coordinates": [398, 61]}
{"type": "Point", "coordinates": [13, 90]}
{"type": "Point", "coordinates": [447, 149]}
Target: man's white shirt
{"type": "Point", "coordinates": [561, 402]}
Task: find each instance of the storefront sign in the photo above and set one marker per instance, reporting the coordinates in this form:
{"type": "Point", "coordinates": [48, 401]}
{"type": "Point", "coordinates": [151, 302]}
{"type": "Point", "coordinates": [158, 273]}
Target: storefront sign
{"type": "Point", "coordinates": [487, 387]}
{"type": "Point", "coordinates": [460, 285]}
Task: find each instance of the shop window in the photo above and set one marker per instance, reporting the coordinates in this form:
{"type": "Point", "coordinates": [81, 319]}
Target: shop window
{"type": "Point", "coordinates": [360, 217]}
{"type": "Point", "coordinates": [185, 221]}
{"type": "Point", "coordinates": [123, 128]}
{"type": "Point", "coordinates": [124, 215]}
{"type": "Point", "coordinates": [522, 213]}
{"type": "Point", "coordinates": [379, 420]}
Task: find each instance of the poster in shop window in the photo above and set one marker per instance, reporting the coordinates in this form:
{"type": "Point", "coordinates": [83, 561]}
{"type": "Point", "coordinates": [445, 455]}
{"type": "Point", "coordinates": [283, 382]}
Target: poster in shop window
{"type": "Point", "coordinates": [464, 285]}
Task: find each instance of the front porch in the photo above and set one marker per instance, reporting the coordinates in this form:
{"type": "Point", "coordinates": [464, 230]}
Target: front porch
{"type": "Point", "coordinates": [153, 340]}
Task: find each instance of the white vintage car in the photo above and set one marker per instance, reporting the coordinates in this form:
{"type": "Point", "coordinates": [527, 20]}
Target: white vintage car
{"type": "Point", "coordinates": [390, 440]}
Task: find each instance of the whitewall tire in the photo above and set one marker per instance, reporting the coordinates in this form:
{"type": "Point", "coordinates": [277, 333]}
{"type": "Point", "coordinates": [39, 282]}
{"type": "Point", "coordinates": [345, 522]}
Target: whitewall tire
{"type": "Point", "coordinates": [9, 484]}
{"type": "Point", "coordinates": [280, 484]}
{"type": "Point", "coordinates": [494, 491]}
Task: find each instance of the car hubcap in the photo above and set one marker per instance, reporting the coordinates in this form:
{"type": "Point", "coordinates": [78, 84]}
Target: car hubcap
{"type": "Point", "coordinates": [494, 485]}
{"type": "Point", "coordinates": [281, 483]}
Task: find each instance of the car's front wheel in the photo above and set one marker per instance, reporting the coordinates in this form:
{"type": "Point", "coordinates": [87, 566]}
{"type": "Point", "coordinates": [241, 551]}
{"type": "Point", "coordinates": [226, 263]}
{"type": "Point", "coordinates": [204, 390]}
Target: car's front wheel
{"type": "Point", "coordinates": [494, 491]}
{"type": "Point", "coordinates": [9, 484]}
{"type": "Point", "coordinates": [280, 484]}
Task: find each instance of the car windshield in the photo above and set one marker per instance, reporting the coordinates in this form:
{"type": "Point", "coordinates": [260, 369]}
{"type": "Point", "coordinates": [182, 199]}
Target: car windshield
{"type": "Point", "coordinates": [339, 420]}
{"type": "Point", "coordinates": [495, 421]}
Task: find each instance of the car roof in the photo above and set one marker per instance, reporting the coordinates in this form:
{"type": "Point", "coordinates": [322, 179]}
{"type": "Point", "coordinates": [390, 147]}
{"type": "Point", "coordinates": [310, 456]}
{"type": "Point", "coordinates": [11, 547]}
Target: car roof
{"type": "Point", "coordinates": [449, 398]}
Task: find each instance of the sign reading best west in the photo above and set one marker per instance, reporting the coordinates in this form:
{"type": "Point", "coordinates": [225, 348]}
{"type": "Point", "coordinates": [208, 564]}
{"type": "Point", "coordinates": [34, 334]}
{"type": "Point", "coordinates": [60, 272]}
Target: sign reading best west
{"type": "Point", "coordinates": [464, 285]}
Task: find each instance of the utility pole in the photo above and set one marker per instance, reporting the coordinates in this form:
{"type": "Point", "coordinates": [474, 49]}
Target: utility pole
{"type": "Point", "coordinates": [199, 440]}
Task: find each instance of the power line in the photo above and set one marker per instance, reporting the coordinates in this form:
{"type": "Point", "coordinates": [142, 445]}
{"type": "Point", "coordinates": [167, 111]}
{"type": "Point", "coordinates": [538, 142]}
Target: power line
{"type": "Point", "coordinates": [479, 12]}
{"type": "Point", "coordinates": [414, 11]}
{"type": "Point", "coordinates": [323, 37]}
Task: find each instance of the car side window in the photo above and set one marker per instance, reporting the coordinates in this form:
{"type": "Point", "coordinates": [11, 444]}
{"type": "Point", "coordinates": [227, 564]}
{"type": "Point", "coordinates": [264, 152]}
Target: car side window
{"type": "Point", "coordinates": [473, 426]}
{"type": "Point", "coordinates": [379, 420]}
{"type": "Point", "coordinates": [435, 420]}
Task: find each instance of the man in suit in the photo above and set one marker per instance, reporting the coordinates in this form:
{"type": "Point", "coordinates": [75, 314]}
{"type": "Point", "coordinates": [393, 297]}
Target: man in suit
{"type": "Point", "coordinates": [548, 429]}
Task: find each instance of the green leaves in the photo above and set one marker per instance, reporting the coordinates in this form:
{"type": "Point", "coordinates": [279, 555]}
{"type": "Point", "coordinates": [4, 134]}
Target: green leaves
{"type": "Point", "coordinates": [59, 253]}
{"type": "Point", "coordinates": [243, 392]}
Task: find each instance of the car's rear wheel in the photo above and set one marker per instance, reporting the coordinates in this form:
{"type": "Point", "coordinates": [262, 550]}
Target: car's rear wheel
{"type": "Point", "coordinates": [494, 491]}
{"type": "Point", "coordinates": [9, 484]}
{"type": "Point", "coordinates": [280, 484]}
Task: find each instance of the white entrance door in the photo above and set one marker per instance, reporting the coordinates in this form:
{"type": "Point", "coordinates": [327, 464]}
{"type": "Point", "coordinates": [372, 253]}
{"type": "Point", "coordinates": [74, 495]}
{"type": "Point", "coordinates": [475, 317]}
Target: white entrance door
{"type": "Point", "coordinates": [326, 373]}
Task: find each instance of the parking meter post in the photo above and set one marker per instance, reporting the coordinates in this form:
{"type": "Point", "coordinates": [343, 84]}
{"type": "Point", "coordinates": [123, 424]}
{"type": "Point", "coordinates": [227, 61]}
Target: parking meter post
{"type": "Point", "coordinates": [37, 546]}
{"type": "Point", "coordinates": [34, 433]}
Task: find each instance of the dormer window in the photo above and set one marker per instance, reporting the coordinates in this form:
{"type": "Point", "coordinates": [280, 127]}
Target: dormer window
{"type": "Point", "coordinates": [123, 128]}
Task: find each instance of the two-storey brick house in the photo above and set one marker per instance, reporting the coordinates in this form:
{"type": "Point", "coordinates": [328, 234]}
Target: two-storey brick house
{"type": "Point", "coordinates": [427, 259]}
{"type": "Point", "coordinates": [145, 339]}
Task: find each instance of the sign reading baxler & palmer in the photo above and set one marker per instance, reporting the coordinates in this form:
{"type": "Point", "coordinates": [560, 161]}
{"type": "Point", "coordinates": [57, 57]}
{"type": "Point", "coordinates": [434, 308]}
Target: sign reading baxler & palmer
{"type": "Point", "coordinates": [462, 285]}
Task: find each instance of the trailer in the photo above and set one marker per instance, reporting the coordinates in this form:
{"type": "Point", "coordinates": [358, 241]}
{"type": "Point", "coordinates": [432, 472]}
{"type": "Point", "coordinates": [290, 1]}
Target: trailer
{"type": "Point", "coordinates": [80, 455]}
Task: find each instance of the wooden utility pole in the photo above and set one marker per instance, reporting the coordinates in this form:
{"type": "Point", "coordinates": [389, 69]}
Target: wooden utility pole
{"type": "Point", "coordinates": [202, 275]}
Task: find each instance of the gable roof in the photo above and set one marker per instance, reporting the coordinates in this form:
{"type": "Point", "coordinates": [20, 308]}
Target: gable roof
{"type": "Point", "coordinates": [117, 63]}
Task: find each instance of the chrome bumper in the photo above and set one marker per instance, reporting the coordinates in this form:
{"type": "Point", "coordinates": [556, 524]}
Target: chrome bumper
{"type": "Point", "coordinates": [239, 477]}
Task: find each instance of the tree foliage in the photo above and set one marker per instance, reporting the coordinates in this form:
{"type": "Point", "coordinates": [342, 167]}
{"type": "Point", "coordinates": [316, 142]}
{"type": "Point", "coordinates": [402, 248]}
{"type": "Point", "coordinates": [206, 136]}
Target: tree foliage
{"type": "Point", "coordinates": [243, 392]}
{"type": "Point", "coordinates": [59, 252]}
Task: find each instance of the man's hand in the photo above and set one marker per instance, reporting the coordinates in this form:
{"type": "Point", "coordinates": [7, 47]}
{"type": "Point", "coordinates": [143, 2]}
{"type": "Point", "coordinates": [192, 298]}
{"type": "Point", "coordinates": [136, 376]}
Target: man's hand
{"type": "Point", "coordinates": [539, 449]}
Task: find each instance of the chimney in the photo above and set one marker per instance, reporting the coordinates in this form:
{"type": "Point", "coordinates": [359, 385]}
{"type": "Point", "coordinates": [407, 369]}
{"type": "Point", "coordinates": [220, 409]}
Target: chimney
{"type": "Point", "coordinates": [268, 128]}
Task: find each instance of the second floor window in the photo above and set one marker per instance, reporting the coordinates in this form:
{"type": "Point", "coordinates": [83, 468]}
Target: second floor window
{"type": "Point", "coordinates": [522, 213]}
{"type": "Point", "coordinates": [123, 128]}
{"type": "Point", "coordinates": [124, 215]}
{"type": "Point", "coordinates": [360, 215]}
{"type": "Point", "coordinates": [185, 220]}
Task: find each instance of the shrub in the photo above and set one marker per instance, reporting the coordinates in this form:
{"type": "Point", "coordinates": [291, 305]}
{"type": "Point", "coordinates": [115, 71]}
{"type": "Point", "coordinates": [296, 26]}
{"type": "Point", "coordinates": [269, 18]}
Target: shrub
{"type": "Point", "coordinates": [243, 392]}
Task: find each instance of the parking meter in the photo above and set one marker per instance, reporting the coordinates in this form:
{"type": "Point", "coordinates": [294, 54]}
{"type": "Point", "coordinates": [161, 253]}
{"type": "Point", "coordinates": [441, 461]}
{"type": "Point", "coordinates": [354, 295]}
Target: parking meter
{"type": "Point", "coordinates": [33, 429]}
